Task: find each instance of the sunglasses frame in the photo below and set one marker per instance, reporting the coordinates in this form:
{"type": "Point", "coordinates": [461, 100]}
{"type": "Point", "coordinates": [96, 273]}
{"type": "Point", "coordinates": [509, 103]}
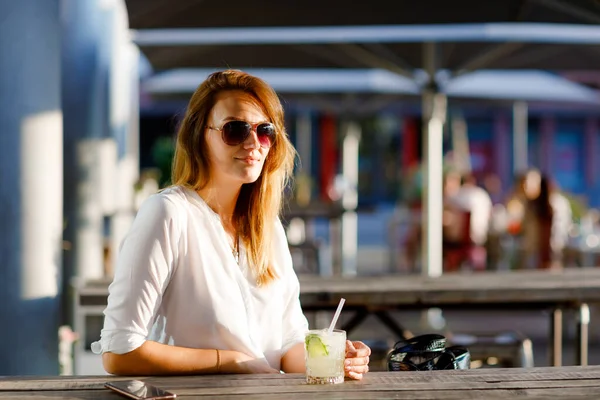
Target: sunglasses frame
{"type": "Point", "coordinates": [253, 128]}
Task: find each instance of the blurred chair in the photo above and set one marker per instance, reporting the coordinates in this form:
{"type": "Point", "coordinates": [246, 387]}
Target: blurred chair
{"type": "Point", "coordinates": [306, 257]}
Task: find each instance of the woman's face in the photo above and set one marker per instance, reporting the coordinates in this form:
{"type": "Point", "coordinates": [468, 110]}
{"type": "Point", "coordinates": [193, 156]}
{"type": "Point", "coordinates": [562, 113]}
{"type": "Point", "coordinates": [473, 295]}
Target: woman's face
{"type": "Point", "coordinates": [532, 185]}
{"type": "Point", "coordinates": [241, 163]}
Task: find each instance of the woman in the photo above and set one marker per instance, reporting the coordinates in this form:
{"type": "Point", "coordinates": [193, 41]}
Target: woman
{"type": "Point", "coordinates": [537, 221]}
{"type": "Point", "coordinates": [204, 281]}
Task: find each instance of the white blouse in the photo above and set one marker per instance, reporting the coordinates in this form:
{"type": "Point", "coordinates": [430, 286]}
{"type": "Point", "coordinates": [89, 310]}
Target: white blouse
{"type": "Point", "coordinates": [177, 282]}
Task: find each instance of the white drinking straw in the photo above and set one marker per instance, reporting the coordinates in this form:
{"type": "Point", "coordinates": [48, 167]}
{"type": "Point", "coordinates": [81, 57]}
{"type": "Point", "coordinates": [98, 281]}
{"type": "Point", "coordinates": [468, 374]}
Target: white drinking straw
{"type": "Point", "coordinates": [336, 315]}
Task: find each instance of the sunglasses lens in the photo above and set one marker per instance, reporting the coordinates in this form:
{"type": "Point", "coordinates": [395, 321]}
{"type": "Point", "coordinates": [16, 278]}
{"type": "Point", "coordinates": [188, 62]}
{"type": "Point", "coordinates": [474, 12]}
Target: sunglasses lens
{"type": "Point", "coordinates": [235, 132]}
{"type": "Point", "coordinates": [266, 134]}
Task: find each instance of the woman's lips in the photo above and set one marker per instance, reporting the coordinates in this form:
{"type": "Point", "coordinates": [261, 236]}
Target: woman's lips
{"type": "Point", "coordinates": [249, 160]}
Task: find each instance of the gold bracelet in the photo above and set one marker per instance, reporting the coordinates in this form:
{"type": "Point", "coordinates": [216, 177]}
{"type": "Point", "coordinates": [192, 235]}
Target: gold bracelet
{"type": "Point", "coordinates": [218, 361]}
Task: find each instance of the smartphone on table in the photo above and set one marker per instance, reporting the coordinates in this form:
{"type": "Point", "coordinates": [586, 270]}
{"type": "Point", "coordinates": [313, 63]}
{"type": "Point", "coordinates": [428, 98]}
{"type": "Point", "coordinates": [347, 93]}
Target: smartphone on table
{"type": "Point", "coordinates": [138, 390]}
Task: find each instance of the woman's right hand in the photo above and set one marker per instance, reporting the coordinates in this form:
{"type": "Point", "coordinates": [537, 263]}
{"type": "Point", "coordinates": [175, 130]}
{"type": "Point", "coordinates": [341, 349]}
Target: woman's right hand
{"type": "Point", "coordinates": [244, 364]}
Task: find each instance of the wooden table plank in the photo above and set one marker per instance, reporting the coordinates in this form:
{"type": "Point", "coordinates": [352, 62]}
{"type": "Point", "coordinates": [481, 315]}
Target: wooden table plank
{"type": "Point", "coordinates": [348, 395]}
{"type": "Point", "coordinates": [534, 287]}
{"type": "Point", "coordinates": [568, 286]}
{"type": "Point", "coordinates": [585, 278]}
{"type": "Point", "coordinates": [568, 278]}
{"type": "Point", "coordinates": [534, 394]}
{"type": "Point", "coordinates": [490, 375]}
{"type": "Point", "coordinates": [290, 391]}
{"type": "Point", "coordinates": [534, 383]}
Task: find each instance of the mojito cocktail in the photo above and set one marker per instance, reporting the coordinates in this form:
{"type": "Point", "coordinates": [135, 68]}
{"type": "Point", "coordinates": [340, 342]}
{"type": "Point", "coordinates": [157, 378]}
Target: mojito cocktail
{"type": "Point", "coordinates": [325, 355]}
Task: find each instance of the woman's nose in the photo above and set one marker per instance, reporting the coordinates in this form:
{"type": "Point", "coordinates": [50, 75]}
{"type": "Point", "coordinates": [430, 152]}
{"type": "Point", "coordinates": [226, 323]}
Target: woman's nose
{"type": "Point", "coordinates": [252, 141]}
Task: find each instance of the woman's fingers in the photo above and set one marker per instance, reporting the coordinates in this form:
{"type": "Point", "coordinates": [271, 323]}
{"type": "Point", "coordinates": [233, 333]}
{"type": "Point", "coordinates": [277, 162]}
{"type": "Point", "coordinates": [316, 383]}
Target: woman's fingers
{"type": "Point", "coordinates": [361, 349]}
{"type": "Point", "coordinates": [357, 359]}
{"type": "Point", "coordinates": [350, 349]}
{"type": "Point", "coordinates": [360, 369]}
{"type": "Point", "coordinates": [357, 349]}
{"type": "Point", "coordinates": [355, 368]}
{"type": "Point", "coordinates": [354, 375]}
{"type": "Point", "coordinates": [354, 361]}
{"type": "Point", "coordinates": [357, 372]}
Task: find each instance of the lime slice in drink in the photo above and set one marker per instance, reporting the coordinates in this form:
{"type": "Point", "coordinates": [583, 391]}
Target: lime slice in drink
{"type": "Point", "coordinates": [315, 346]}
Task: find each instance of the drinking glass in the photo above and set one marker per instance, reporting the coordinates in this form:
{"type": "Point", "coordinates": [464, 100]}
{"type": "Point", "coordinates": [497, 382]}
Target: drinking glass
{"type": "Point", "coordinates": [325, 354]}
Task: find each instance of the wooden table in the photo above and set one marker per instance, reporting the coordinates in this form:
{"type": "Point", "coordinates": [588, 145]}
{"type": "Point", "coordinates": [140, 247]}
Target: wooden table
{"type": "Point", "coordinates": [569, 289]}
{"type": "Point", "coordinates": [508, 383]}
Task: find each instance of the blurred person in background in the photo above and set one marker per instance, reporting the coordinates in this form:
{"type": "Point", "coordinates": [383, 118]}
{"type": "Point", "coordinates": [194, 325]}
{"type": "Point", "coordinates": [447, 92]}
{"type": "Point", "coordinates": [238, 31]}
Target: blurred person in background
{"type": "Point", "coordinates": [493, 186]}
{"type": "Point", "coordinates": [455, 225]}
{"type": "Point", "coordinates": [498, 223]}
{"type": "Point", "coordinates": [204, 281]}
{"type": "Point", "coordinates": [537, 222]}
{"type": "Point", "coordinates": [562, 221]}
{"type": "Point", "coordinates": [475, 209]}
{"type": "Point", "coordinates": [475, 199]}
{"type": "Point", "coordinates": [515, 204]}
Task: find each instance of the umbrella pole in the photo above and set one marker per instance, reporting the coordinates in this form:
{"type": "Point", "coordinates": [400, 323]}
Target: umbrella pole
{"type": "Point", "coordinates": [520, 128]}
{"type": "Point", "coordinates": [434, 115]}
{"type": "Point", "coordinates": [434, 112]}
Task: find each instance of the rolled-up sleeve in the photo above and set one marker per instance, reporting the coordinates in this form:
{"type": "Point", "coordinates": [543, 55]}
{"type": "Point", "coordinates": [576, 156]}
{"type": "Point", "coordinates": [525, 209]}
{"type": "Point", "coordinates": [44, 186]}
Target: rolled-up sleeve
{"type": "Point", "coordinates": [145, 265]}
{"type": "Point", "coordinates": [294, 324]}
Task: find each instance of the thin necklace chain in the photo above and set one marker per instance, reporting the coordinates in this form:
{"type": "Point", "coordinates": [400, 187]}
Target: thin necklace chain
{"type": "Point", "coordinates": [235, 249]}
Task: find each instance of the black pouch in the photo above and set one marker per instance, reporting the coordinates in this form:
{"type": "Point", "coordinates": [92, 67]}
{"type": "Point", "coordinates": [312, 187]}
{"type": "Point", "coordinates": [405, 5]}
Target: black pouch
{"type": "Point", "coordinates": [427, 353]}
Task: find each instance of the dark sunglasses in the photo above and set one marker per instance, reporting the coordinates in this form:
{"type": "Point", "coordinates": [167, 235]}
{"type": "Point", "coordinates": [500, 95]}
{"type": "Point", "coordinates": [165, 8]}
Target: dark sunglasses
{"type": "Point", "coordinates": [234, 133]}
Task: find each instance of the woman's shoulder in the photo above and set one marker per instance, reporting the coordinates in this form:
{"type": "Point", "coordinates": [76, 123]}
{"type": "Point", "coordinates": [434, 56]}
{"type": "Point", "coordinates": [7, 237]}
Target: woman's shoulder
{"type": "Point", "coordinates": [164, 198]}
{"type": "Point", "coordinates": [166, 204]}
{"type": "Point", "coordinates": [174, 194]}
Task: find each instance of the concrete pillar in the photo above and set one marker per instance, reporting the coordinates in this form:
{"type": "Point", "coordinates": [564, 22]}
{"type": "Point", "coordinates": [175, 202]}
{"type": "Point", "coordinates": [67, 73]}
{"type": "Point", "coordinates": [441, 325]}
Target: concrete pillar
{"type": "Point", "coordinates": [350, 155]}
{"type": "Point", "coordinates": [31, 183]}
{"type": "Point", "coordinates": [86, 66]}
{"type": "Point", "coordinates": [124, 127]}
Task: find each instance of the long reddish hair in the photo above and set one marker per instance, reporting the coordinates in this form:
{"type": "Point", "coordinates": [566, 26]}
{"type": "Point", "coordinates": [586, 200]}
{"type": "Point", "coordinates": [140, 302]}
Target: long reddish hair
{"type": "Point", "coordinates": [260, 202]}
